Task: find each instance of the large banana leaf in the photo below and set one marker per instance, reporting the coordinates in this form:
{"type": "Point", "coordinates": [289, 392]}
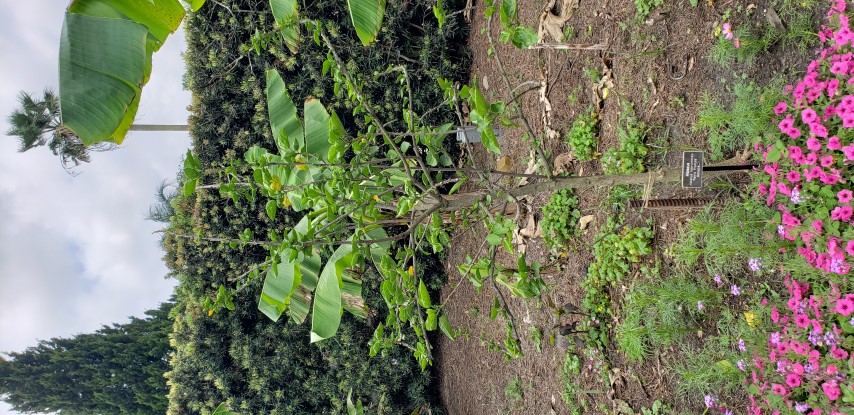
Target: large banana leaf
{"type": "Point", "coordinates": [161, 17]}
{"type": "Point", "coordinates": [105, 60]}
{"type": "Point", "coordinates": [284, 121]}
{"type": "Point", "coordinates": [326, 312]}
{"type": "Point", "coordinates": [322, 134]}
{"type": "Point", "coordinates": [367, 17]}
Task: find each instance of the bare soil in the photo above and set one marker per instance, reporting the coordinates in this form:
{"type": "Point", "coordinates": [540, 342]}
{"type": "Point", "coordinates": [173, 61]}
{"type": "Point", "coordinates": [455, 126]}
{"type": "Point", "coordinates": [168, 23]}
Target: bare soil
{"type": "Point", "coordinates": [662, 68]}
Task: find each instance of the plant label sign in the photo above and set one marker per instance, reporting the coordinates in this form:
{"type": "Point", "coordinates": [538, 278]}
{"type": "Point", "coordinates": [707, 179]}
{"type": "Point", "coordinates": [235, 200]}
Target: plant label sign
{"type": "Point", "coordinates": [692, 169]}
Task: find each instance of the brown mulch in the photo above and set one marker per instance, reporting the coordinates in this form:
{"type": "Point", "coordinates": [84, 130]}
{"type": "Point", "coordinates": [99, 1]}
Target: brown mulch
{"type": "Point", "coordinates": [662, 69]}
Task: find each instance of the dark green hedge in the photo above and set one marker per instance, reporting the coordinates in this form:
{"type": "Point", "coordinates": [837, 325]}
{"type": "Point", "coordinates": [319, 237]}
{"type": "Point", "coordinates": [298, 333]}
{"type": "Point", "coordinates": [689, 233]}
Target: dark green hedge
{"type": "Point", "coordinates": [239, 356]}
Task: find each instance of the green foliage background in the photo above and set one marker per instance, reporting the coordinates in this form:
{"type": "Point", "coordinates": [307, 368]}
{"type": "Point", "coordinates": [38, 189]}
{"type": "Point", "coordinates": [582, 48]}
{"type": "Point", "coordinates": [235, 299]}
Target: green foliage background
{"type": "Point", "coordinates": [240, 357]}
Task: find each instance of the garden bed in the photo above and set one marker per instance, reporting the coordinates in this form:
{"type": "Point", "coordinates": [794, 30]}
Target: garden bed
{"type": "Point", "coordinates": [661, 64]}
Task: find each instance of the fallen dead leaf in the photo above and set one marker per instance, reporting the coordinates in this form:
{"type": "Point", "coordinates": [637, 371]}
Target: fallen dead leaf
{"type": "Point", "coordinates": [585, 220]}
{"type": "Point", "coordinates": [774, 19]}
{"type": "Point", "coordinates": [552, 22]}
{"type": "Point", "coordinates": [504, 164]}
{"type": "Point", "coordinates": [563, 163]}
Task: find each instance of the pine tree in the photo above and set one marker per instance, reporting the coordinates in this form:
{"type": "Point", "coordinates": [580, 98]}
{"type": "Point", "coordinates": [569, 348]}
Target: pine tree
{"type": "Point", "coordinates": [116, 370]}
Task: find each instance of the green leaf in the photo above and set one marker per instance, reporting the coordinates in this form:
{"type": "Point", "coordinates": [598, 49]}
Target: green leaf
{"type": "Point", "coordinates": [423, 295]}
{"type": "Point", "coordinates": [367, 18]}
{"type": "Point", "coordinates": [222, 409]}
{"type": "Point", "coordinates": [105, 59]}
{"type": "Point", "coordinates": [195, 5]}
{"type": "Point", "coordinates": [160, 17]}
{"type": "Point", "coordinates": [301, 299]}
{"type": "Point", "coordinates": [189, 187]}
{"type": "Point", "coordinates": [507, 12]}
{"type": "Point", "coordinates": [317, 129]}
{"type": "Point", "coordinates": [286, 126]}
{"type": "Point", "coordinates": [327, 309]}
{"type": "Point", "coordinates": [271, 209]}
{"type": "Point", "coordinates": [439, 12]}
{"type": "Point", "coordinates": [430, 324]}
{"type": "Point", "coordinates": [284, 11]}
{"type": "Point", "coordinates": [489, 140]}
{"type": "Point", "coordinates": [445, 326]}
{"type": "Point", "coordinates": [356, 409]}
{"type": "Point", "coordinates": [102, 64]}
{"type": "Point", "coordinates": [524, 38]}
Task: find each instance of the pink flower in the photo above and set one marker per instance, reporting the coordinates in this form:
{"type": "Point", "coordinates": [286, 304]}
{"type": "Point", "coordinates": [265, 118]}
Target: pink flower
{"type": "Point", "coordinates": [848, 150]}
{"type": "Point", "coordinates": [850, 248]}
{"type": "Point", "coordinates": [842, 213]}
{"type": "Point", "coordinates": [727, 31]}
{"type": "Point", "coordinates": [802, 321]}
{"type": "Point", "coordinates": [838, 353]}
{"type": "Point", "coordinates": [780, 108]}
{"type": "Point", "coordinates": [808, 116]}
{"type": "Point", "coordinates": [818, 129]}
{"type": "Point", "coordinates": [793, 380]}
{"type": "Point", "coordinates": [787, 123]}
{"type": "Point", "coordinates": [827, 161]}
{"type": "Point", "coordinates": [831, 369]}
{"type": "Point", "coordinates": [813, 144]}
{"type": "Point", "coordinates": [832, 86]}
{"type": "Point", "coordinates": [844, 307]}
{"type": "Point", "coordinates": [831, 390]}
{"type": "Point", "coordinates": [833, 143]}
{"type": "Point", "coordinates": [779, 389]}
{"type": "Point", "coordinates": [736, 42]}
{"type": "Point", "coordinates": [844, 196]}
{"type": "Point", "coordinates": [793, 176]}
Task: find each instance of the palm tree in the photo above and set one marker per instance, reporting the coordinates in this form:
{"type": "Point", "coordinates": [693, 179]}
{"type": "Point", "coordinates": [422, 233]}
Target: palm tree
{"type": "Point", "coordinates": [162, 209]}
{"type": "Point", "coordinates": [37, 122]}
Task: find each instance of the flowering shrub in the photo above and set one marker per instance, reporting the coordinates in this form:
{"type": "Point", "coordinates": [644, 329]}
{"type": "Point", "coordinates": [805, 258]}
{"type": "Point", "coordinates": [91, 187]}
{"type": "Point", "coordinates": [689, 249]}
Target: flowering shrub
{"type": "Point", "coordinates": [806, 364]}
{"type": "Point", "coordinates": [805, 173]}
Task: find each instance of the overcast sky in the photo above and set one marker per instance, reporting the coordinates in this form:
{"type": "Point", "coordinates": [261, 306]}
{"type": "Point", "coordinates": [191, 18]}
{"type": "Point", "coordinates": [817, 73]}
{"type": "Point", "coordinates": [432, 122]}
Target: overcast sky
{"type": "Point", "coordinates": [76, 252]}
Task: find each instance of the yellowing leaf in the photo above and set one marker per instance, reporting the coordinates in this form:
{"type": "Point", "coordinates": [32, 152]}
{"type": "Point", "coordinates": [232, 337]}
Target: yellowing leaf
{"type": "Point", "coordinates": [411, 270]}
{"type": "Point", "coordinates": [286, 202]}
{"type": "Point", "coordinates": [750, 317]}
{"type": "Point", "coordinates": [210, 312]}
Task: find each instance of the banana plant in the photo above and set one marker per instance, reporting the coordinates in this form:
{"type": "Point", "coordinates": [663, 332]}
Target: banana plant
{"type": "Point", "coordinates": [105, 55]}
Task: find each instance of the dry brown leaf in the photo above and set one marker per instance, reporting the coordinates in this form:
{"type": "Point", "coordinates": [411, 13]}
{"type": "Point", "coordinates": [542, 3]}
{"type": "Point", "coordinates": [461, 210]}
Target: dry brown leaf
{"type": "Point", "coordinates": [563, 163]}
{"type": "Point", "coordinates": [551, 23]}
{"type": "Point", "coordinates": [774, 19]}
{"type": "Point", "coordinates": [585, 220]}
{"type": "Point", "coordinates": [690, 63]}
{"type": "Point", "coordinates": [504, 164]}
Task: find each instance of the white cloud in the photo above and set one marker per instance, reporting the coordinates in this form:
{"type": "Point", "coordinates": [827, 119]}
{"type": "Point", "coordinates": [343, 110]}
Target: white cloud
{"type": "Point", "coordinates": [76, 252]}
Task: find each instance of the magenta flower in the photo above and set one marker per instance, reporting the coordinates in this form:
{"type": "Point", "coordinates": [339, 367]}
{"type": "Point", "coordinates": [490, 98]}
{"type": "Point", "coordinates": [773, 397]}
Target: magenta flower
{"type": "Point", "coordinates": [793, 380]}
{"type": "Point", "coordinates": [833, 143]}
{"type": "Point", "coordinates": [844, 196]}
{"type": "Point", "coordinates": [808, 116]}
{"type": "Point", "coordinates": [831, 390]}
{"type": "Point", "coordinates": [779, 389]}
{"type": "Point", "coordinates": [844, 306]}
{"type": "Point", "coordinates": [780, 108]}
{"type": "Point", "coordinates": [813, 144]}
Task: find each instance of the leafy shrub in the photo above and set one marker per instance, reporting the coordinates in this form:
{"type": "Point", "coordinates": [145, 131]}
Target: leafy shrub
{"type": "Point", "coordinates": [629, 156]}
{"type": "Point", "coordinates": [239, 356]}
{"type": "Point", "coordinates": [583, 138]}
{"type": "Point", "coordinates": [560, 218]}
{"type": "Point", "coordinates": [613, 256]}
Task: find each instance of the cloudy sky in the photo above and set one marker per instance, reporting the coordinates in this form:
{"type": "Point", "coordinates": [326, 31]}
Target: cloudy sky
{"type": "Point", "coordinates": [76, 252]}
